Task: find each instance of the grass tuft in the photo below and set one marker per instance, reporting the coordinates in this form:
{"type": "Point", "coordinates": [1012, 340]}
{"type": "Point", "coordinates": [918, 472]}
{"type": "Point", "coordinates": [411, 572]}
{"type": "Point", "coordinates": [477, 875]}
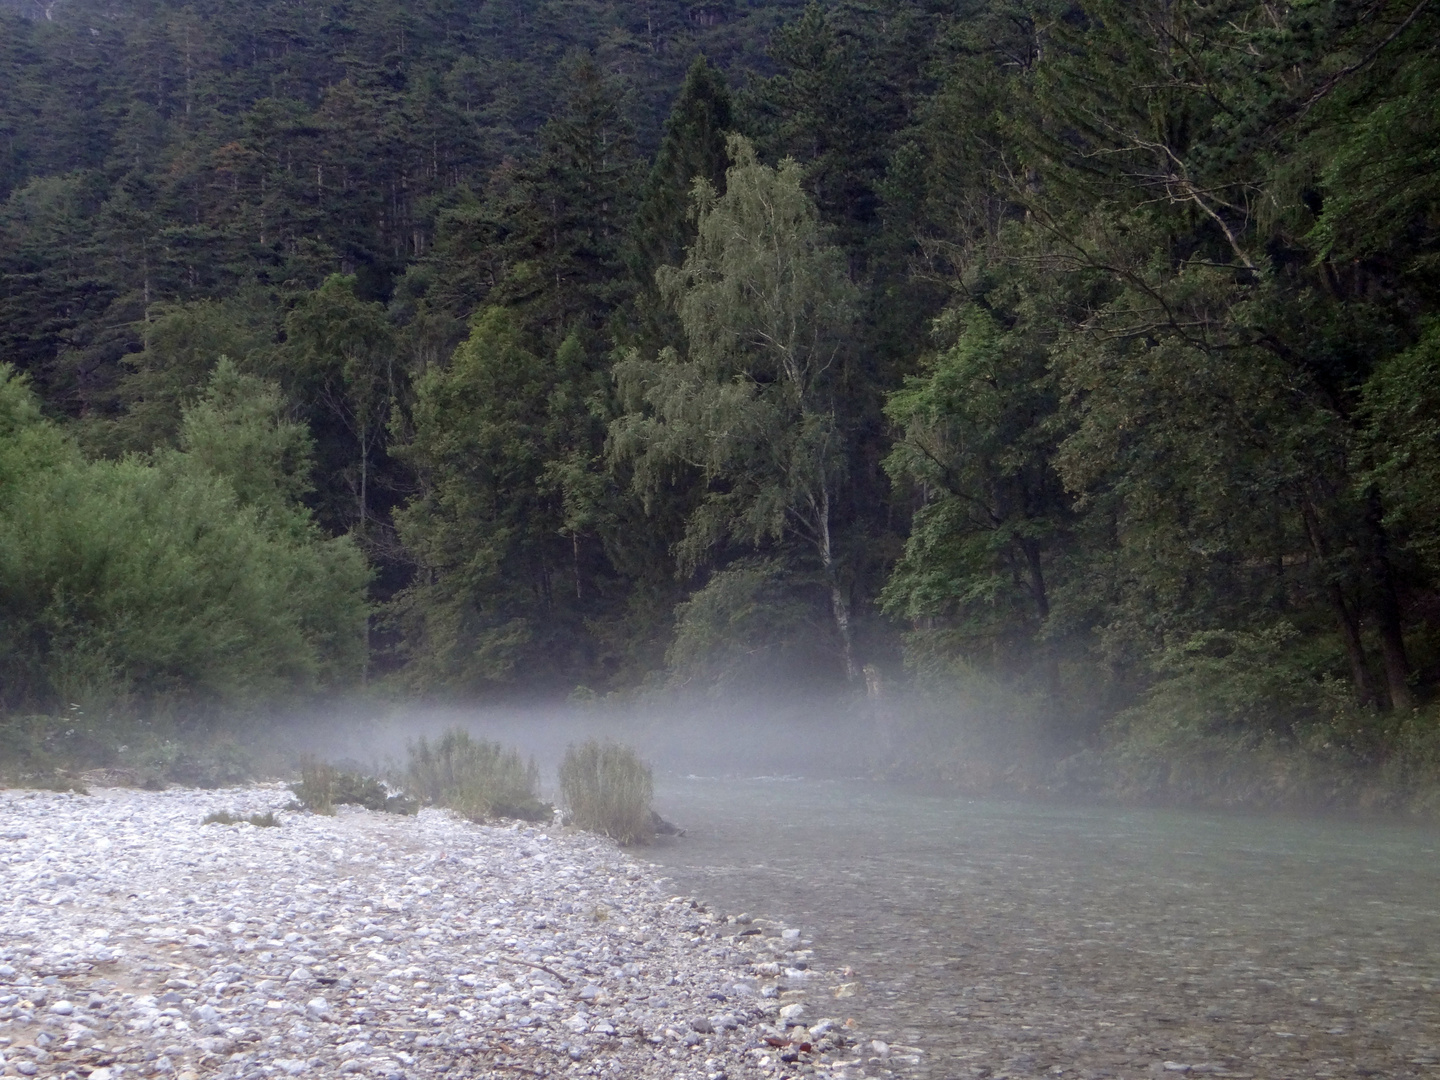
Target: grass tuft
{"type": "Point", "coordinates": [476, 778]}
{"type": "Point", "coordinates": [607, 789]}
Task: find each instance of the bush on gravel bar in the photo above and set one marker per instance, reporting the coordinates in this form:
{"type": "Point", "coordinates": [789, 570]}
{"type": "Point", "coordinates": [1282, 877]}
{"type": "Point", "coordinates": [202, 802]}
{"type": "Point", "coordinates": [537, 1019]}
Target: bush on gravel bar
{"type": "Point", "coordinates": [323, 787]}
{"type": "Point", "coordinates": [267, 820]}
{"type": "Point", "coordinates": [475, 778]}
{"type": "Point", "coordinates": [606, 788]}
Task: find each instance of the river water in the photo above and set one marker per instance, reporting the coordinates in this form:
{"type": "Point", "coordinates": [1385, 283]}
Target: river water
{"type": "Point", "coordinates": [1013, 939]}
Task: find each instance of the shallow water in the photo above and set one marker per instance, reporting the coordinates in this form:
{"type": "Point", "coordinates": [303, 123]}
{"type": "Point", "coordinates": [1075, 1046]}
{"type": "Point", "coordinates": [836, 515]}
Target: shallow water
{"type": "Point", "coordinates": [1013, 939]}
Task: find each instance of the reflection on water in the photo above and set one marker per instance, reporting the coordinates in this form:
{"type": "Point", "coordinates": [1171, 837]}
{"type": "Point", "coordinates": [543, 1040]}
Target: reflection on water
{"type": "Point", "coordinates": [1017, 939]}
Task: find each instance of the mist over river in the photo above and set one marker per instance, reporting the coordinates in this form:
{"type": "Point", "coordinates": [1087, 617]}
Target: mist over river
{"type": "Point", "coordinates": [1011, 939]}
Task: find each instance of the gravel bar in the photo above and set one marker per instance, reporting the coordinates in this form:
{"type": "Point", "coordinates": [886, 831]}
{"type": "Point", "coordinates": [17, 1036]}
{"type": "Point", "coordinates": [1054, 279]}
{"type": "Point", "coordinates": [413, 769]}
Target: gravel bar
{"type": "Point", "coordinates": [137, 941]}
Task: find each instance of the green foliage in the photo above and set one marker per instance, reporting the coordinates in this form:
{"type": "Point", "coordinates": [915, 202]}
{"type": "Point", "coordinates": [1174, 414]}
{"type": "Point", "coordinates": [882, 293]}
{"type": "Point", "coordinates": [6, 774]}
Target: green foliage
{"type": "Point", "coordinates": [341, 358]}
{"type": "Point", "coordinates": [135, 585]}
{"type": "Point", "coordinates": [606, 788]}
{"type": "Point", "coordinates": [742, 624]}
{"type": "Point", "coordinates": [238, 431]}
{"type": "Point", "coordinates": [663, 227]}
{"type": "Point", "coordinates": [1375, 142]}
{"type": "Point", "coordinates": [176, 155]}
{"type": "Point", "coordinates": [1402, 402]}
{"type": "Point", "coordinates": [323, 787]}
{"type": "Point", "coordinates": [475, 778]}
{"type": "Point", "coordinates": [568, 211]}
{"type": "Point", "coordinates": [978, 438]}
{"type": "Point", "coordinates": [182, 344]}
{"type": "Point", "coordinates": [267, 820]}
{"type": "Point", "coordinates": [497, 441]}
{"type": "Point", "coordinates": [765, 302]}
{"type": "Point", "coordinates": [1166, 453]}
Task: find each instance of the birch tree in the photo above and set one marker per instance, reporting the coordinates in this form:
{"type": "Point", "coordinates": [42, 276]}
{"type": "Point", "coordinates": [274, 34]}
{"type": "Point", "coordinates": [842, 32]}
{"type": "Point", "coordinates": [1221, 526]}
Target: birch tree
{"type": "Point", "coordinates": [765, 303]}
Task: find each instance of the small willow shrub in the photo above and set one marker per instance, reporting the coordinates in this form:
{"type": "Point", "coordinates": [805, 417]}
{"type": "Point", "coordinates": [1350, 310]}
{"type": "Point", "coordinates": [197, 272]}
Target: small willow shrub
{"type": "Point", "coordinates": [607, 789]}
{"type": "Point", "coordinates": [475, 778]}
{"type": "Point", "coordinates": [266, 820]}
{"type": "Point", "coordinates": [323, 787]}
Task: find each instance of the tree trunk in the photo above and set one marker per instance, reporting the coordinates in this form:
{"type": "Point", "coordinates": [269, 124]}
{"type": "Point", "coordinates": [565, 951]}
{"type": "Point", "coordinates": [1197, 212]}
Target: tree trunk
{"type": "Point", "coordinates": [364, 476]}
{"type": "Point", "coordinates": [1050, 663]}
{"type": "Point", "coordinates": [575, 555]}
{"type": "Point", "coordinates": [1354, 649]}
{"type": "Point", "coordinates": [841, 607]}
{"type": "Point", "coordinates": [839, 604]}
{"type": "Point", "coordinates": [1345, 619]}
{"type": "Point", "coordinates": [1387, 611]}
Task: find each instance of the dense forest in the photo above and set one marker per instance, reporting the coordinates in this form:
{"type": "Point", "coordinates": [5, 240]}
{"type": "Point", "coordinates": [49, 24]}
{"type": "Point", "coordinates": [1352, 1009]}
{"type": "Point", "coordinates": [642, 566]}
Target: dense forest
{"type": "Point", "coordinates": [1078, 359]}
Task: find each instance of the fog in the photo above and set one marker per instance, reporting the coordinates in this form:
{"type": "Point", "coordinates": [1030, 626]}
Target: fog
{"type": "Point", "coordinates": [842, 736]}
{"type": "Point", "coordinates": [1017, 937]}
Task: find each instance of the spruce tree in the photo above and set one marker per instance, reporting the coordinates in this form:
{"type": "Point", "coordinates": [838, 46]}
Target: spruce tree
{"type": "Point", "coordinates": [693, 148]}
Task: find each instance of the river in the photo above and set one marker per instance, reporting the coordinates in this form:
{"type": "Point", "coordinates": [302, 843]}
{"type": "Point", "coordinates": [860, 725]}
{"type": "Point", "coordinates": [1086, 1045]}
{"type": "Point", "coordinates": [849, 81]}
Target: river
{"type": "Point", "coordinates": [1014, 939]}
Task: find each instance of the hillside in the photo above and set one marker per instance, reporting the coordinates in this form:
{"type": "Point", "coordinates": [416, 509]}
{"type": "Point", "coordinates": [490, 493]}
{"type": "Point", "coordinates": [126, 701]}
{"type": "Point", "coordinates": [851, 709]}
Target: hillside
{"type": "Point", "coordinates": [1071, 362]}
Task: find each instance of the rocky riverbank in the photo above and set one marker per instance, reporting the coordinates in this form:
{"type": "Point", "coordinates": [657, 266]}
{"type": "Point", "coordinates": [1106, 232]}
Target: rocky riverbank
{"type": "Point", "coordinates": [137, 941]}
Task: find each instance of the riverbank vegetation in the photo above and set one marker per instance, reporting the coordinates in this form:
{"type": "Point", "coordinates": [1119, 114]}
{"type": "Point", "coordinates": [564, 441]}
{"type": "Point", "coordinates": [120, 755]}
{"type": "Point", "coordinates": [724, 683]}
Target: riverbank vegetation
{"type": "Point", "coordinates": [477, 778]}
{"type": "Point", "coordinates": [1079, 359]}
{"type": "Point", "coordinates": [606, 788]}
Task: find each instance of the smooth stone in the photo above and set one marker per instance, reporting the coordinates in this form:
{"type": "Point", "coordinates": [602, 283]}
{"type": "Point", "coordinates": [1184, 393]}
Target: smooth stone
{"type": "Point", "coordinates": [433, 929]}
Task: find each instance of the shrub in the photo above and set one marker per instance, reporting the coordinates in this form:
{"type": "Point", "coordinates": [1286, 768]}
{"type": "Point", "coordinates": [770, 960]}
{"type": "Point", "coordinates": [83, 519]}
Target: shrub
{"type": "Point", "coordinates": [606, 788]}
{"type": "Point", "coordinates": [475, 778]}
{"type": "Point", "coordinates": [145, 586]}
{"type": "Point", "coordinates": [323, 787]}
{"type": "Point", "coordinates": [267, 820]}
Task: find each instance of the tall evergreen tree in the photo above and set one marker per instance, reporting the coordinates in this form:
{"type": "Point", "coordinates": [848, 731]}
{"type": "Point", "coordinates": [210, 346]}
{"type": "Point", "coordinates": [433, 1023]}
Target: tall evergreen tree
{"type": "Point", "coordinates": [663, 227]}
{"type": "Point", "coordinates": [509, 564]}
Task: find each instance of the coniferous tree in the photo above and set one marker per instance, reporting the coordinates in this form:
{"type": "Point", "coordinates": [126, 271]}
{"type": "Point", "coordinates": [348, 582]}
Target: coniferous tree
{"type": "Point", "coordinates": [507, 572]}
{"type": "Point", "coordinates": [663, 227]}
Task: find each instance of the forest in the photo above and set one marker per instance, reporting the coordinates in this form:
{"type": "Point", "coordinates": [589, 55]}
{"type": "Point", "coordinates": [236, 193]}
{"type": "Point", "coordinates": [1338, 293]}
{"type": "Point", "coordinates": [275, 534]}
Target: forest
{"type": "Point", "coordinates": [1071, 362]}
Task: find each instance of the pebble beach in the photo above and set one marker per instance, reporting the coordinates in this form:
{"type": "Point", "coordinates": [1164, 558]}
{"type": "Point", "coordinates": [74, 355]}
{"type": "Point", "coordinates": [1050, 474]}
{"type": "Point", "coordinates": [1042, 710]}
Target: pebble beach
{"type": "Point", "coordinates": [138, 940]}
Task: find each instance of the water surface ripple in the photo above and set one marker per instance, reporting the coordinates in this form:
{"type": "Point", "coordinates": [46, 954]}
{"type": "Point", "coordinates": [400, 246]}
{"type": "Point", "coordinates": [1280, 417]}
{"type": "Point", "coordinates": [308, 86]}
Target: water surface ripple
{"type": "Point", "coordinates": [1011, 939]}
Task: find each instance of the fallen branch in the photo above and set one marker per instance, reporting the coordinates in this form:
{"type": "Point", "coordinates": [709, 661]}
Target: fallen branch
{"type": "Point", "coordinates": [549, 971]}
